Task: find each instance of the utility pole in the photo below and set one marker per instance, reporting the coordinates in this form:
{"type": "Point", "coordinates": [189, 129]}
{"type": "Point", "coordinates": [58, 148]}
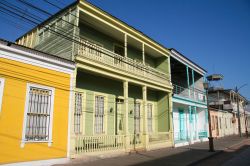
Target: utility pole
{"type": "Point", "coordinates": [206, 85]}
{"type": "Point", "coordinates": [210, 138]}
{"type": "Point", "coordinates": [238, 107]}
{"type": "Point", "coordinates": [238, 111]}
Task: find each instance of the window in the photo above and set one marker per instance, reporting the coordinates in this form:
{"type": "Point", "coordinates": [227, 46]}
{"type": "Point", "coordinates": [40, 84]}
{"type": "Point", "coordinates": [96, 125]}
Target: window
{"type": "Point", "coordinates": [1, 92]}
{"type": "Point", "coordinates": [99, 114]}
{"type": "Point", "coordinates": [78, 113]}
{"type": "Point", "coordinates": [137, 118]}
{"type": "Point", "coordinates": [38, 114]}
{"type": "Point", "coordinates": [150, 118]}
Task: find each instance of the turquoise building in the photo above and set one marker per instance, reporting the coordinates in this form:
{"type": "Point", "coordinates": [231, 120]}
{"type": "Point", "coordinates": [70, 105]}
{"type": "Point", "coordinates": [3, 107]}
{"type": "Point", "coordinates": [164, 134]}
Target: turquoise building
{"type": "Point", "coordinates": [190, 120]}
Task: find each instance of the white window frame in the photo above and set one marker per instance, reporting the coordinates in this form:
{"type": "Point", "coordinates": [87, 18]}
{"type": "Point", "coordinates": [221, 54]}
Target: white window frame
{"type": "Point", "coordinates": [1, 92]}
{"type": "Point", "coordinates": [105, 113]}
{"type": "Point", "coordinates": [29, 85]}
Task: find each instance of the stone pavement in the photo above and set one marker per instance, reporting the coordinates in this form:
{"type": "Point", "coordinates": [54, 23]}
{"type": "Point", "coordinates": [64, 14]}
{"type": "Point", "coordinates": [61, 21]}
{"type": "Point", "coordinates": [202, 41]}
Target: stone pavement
{"type": "Point", "coordinates": [187, 155]}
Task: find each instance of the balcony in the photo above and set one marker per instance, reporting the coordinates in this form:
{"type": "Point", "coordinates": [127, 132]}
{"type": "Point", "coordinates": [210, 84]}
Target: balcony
{"type": "Point", "coordinates": [97, 54]}
{"type": "Point", "coordinates": [190, 93]}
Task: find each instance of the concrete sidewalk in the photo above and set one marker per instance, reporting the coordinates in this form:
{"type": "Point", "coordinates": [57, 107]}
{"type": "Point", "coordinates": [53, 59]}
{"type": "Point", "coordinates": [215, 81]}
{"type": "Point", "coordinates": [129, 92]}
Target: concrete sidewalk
{"type": "Point", "coordinates": [187, 155]}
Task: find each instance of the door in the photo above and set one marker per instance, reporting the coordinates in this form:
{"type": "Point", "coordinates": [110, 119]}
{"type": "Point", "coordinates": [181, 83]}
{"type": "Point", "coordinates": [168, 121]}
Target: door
{"type": "Point", "coordinates": [182, 125]}
{"type": "Point", "coordinates": [119, 117]}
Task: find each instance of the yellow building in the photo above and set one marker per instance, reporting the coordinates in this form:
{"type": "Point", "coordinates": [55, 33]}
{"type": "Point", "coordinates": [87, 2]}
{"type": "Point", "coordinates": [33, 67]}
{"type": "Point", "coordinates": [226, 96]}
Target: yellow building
{"type": "Point", "coordinates": [34, 105]}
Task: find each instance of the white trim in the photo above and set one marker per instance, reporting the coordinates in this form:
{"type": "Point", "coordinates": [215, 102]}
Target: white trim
{"type": "Point", "coordinates": [185, 61]}
{"type": "Point", "coordinates": [71, 95]}
{"type": "Point", "coordinates": [174, 100]}
{"type": "Point", "coordinates": [23, 142]}
{"type": "Point", "coordinates": [40, 60]}
{"type": "Point", "coordinates": [40, 162]}
{"type": "Point", "coordinates": [1, 92]}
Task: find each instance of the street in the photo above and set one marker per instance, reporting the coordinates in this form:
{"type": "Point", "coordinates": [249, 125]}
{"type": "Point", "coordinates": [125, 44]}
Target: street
{"type": "Point", "coordinates": [229, 150]}
{"type": "Point", "coordinates": [236, 155]}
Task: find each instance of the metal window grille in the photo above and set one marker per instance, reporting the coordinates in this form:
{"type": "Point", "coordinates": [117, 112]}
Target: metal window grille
{"type": "Point", "coordinates": [150, 118]}
{"type": "Point", "coordinates": [38, 115]}
{"type": "Point", "coordinates": [99, 114]}
{"type": "Point", "coordinates": [137, 118]}
{"type": "Point", "coordinates": [78, 113]}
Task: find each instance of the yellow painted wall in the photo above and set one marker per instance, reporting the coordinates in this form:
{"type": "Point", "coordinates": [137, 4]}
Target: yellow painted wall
{"type": "Point", "coordinates": [16, 76]}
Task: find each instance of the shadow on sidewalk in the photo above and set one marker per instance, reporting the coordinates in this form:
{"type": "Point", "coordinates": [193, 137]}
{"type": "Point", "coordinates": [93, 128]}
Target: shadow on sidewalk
{"type": "Point", "coordinates": [224, 157]}
{"type": "Point", "coordinates": [183, 158]}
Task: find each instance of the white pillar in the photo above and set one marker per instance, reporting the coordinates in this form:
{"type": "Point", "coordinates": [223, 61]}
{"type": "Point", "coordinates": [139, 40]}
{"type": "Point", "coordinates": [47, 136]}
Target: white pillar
{"type": "Point", "coordinates": [145, 117]}
{"type": "Point", "coordinates": [72, 137]}
{"type": "Point", "coordinates": [143, 53]}
{"type": "Point", "coordinates": [125, 45]}
{"type": "Point", "coordinates": [125, 94]}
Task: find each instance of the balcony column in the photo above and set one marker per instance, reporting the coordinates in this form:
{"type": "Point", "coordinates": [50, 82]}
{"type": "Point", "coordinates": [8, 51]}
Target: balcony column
{"type": "Point", "coordinates": [188, 84]}
{"type": "Point", "coordinates": [125, 94]}
{"type": "Point", "coordinates": [143, 53]}
{"type": "Point", "coordinates": [145, 117]}
{"type": "Point", "coordinates": [125, 45]}
{"type": "Point", "coordinates": [193, 86]}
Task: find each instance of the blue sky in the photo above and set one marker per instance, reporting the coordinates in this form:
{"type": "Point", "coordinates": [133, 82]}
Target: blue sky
{"type": "Point", "coordinates": [215, 33]}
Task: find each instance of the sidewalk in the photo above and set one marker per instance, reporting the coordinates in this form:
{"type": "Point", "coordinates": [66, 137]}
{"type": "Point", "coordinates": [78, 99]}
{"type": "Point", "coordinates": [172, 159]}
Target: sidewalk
{"type": "Point", "coordinates": [187, 155]}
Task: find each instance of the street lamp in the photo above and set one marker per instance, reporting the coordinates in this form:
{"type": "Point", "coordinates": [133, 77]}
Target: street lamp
{"type": "Point", "coordinates": [238, 107]}
{"type": "Point", "coordinates": [210, 138]}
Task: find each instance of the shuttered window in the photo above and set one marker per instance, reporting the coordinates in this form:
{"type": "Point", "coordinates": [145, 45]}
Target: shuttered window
{"type": "Point", "coordinates": [99, 114]}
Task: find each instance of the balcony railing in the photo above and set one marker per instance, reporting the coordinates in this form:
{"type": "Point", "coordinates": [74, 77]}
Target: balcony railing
{"type": "Point", "coordinates": [191, 93]}
{"type": "Point", "coordinates": [98, 54]}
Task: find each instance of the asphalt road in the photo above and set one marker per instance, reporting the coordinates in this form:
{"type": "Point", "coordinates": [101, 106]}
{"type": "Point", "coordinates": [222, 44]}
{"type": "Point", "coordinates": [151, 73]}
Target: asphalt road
{"type": "Point", "coordinates": [238, 155]}
{"type": "Point", "coordinates": [241, 159]}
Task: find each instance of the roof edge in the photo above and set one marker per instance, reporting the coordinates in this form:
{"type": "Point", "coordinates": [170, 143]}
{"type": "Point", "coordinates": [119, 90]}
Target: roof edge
{"type": "Point", "coordinates": [173, 50]}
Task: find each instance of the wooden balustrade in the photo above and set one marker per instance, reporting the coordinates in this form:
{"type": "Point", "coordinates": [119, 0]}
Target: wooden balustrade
{"type": "Point", "coordinates": [99, 54]}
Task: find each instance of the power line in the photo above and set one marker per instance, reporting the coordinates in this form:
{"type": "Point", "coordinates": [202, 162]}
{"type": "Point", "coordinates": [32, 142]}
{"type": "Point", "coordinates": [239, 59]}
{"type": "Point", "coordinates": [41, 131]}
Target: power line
{"type": "Point", "coordinates": [52, 4]}
{"type": "Point", "coordinates": [78, 42]}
